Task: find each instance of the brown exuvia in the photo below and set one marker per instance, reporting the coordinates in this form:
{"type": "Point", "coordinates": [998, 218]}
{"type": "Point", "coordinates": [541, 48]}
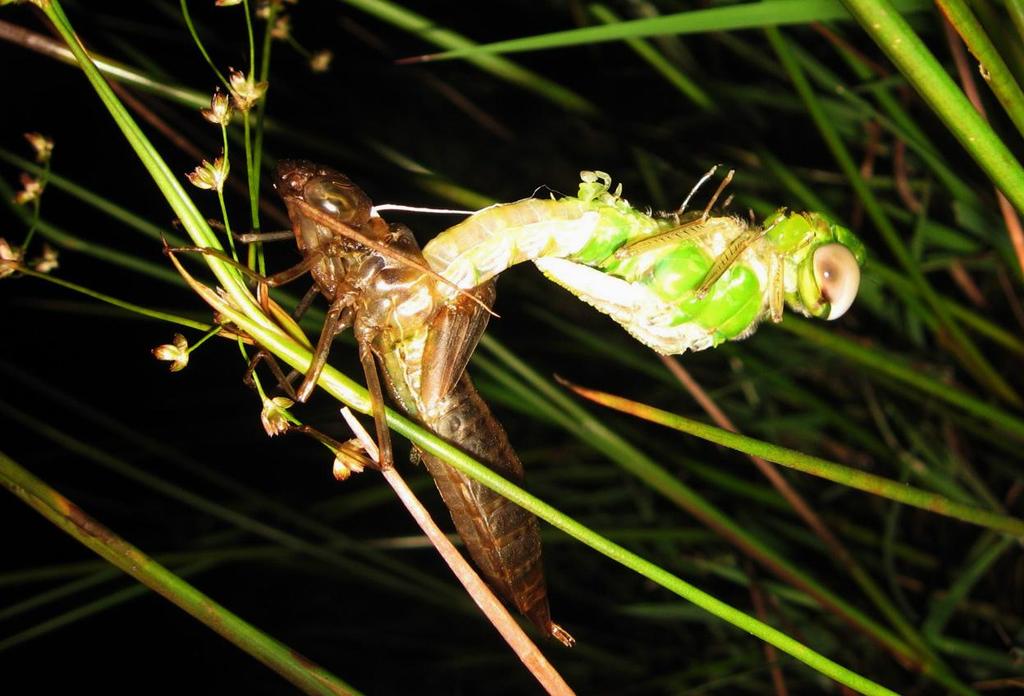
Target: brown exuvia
{"type": "Point", "coordinates": [408, 321]}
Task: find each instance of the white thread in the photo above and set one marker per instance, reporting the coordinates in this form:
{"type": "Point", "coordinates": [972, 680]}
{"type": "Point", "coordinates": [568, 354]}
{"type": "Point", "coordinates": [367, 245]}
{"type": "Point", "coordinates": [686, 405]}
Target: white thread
{"type": "Point", "coordinates": [415, 209]}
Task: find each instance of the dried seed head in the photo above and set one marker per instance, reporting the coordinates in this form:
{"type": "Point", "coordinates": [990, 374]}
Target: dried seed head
{"type": "Point", "coordinates": [320, 61]}
{"type": "Point", "coordinates": [220, 109]}
{"type": "Point", "coordinates": [340, 469]}
{"type": "Point", "coordinates": [244, 91]}
{"type": "Point", "coordinates": [349, 459]}
{"type": "Point", "coordinates": [274, 416]}
{"type": "Point", "coordinates": [31, 189]}
{"type": "Point", "coordinates": [210, 175]}
{"type": "Point", "coordinates": [175, 353]}
{"type": "Point", "coordinates": [47, 262]}
{"type": "Point", "coordinates": [9, 258]}
{"type": "Point", "coordinates": [42, 145]}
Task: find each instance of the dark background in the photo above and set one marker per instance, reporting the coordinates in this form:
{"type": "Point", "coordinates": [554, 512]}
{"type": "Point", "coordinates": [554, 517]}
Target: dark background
{"type": "Point", "coordinates": [56, 346]}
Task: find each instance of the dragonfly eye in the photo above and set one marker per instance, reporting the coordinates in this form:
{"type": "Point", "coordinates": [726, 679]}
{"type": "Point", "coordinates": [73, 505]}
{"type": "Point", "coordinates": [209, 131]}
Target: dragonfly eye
{"type": "Point", "coordinates": [340, 198]}
{"type": "Point", "coordinates": [838, 276]}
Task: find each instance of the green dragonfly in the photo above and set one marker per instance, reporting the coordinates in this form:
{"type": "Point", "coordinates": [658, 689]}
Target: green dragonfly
{"type": "Point", "coordinates": [677, 282]}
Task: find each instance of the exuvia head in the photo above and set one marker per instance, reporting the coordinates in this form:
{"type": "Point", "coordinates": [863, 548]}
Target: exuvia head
{"type": "Point", "coordinates": [325, 188]}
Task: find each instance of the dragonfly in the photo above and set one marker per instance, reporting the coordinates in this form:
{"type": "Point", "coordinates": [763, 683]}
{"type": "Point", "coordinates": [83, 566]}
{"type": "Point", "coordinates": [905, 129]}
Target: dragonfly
{"type": "Point", "coordinates": [420, 332]}
{"type": "Point", "coordinates": [682, 281]}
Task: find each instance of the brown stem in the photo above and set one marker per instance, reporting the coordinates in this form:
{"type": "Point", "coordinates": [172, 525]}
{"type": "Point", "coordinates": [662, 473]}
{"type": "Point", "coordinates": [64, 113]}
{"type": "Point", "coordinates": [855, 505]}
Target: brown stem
{"type": "Point", "coordinates": [963, 69]}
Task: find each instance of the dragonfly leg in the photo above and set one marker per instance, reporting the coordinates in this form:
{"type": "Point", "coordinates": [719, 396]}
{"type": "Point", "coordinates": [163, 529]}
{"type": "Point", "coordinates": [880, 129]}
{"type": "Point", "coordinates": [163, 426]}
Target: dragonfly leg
{"type": "Point", "coordinates": [776, 288]}
{"type": "Point", "coordinates": [385, 457]}
{"type": "Point", "coordinates": [726, 259]}
{"type": "Point", "coordinates": [250, 237]}
{"type": "Point", "coordinates": [718, 192]}
{"type": "Point", "coordinates": [297, 271]}
{"type": "Point", "coordinates": [332, 324]}
{"type": "Point", "coordinates": [283, 381]}
{"type": "Point", "coordinates": [300, 309]}
{"type": "Point", "coordinates": [305, 302]}
{"type": "Point", "coordinates": [339, 316]}
{"type": "Point", "coordinates": [707, 175]}
{"type": "Point", "coordinates": [280, 278]}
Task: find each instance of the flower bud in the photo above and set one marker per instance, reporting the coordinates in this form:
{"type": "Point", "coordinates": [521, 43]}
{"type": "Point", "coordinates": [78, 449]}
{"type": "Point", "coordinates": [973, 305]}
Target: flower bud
{"type": "Point", "coordinates": [320, 61]}
{"type": "Point", "coordinates": [282, 28]}
{"type": "Point", "coordinates": [47, 262]}
{"type": "Point", "coordinates": [210, 175]}
{"type": "Point", "coordinates": [9, 258]}
{"type": "Point", "coordinates": [42, 145]}
{"type": "Point", "coordinates": [350, 458]}
{"type": "Point", "coordinates": [31, 189]}
{"type": "Point", "coordinates": [274, 415]}
{"type": "Point", "coordinates": [220, 109]}
{"type": "Point", "coordinates": [244, 91]}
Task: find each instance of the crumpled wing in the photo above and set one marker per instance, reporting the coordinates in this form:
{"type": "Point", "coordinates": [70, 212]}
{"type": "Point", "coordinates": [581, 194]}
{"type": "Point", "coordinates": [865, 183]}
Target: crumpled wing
{"type": "Point", "coordinates": [455, 331]}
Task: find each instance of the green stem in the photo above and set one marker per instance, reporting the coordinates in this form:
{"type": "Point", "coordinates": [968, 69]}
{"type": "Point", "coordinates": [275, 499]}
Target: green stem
{"type": "Point", "coordinates": [690, 89]}
{"type": "Point", "coordinates": [1016, 10]}
{"type": "Point", "coordinates": [429, 31]}
{"type": "Point", "coordinates": [895, 118]}
{"type": "Point", "coordinates": [252, 176]}
{"type": "Point", "coordinates": [111, 68]}
{"type": "Point", "coordinates": [71, 519]}
{"type": "Point", "coordinates": [383, 570]}
{"type": "Point", "coordinates": [199, 44]}
{"type": "Point", "coordinates": [991, 64]}
{"type": "Point", "coordinates": [213, 331]}
{"type": "Point", "coordinates": [127, 306]}
{"type": "Point", "coordinates": [965, 350]}
{"type": "Point", "coordinates": [590, 430]}
{"type": "Point", "coordinates": [966, 578]}
{"type": "Point", "coordinates": [68, 241]}
{"type": "Point", "coordinates": [888, 364]}
{"type": "Point", "coordinates": [99, 202]}
{"type": "Point", "coordinates": [169, 184]}
{"type": "Point", "coordinates": [249, 34]}
{"type": "Point", "coordinates": [577, 420]}
{"type": "Point", "coordinates": [906, 50]}
{"type": "Point", "coordinates": [357, 398]}
{"type": "Point", "coordinates": [103, 574]}
{"type": "Point", "coordinates": [961, 649]}
{"type": "Point", "coordinates": [261, 110]}
{"type": "Point", "coordinates": [37, 203]}
{"type": "Point", "coordinates": [88, 609]}
{"type": "Point", "coordinates": [830, 471]}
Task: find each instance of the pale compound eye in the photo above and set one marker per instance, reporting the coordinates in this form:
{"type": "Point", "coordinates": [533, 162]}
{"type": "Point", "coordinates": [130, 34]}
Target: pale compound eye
{"type": "Point", "coordinates": [838, 276]}
{"type": "Point", "coordinates": [340, 198]}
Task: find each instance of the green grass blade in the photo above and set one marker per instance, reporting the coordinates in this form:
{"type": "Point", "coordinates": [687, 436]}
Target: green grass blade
{"type": "Point", "coordinates": [690, 89]}
{"type": "Point", "coordinates": [830, 471]}
{"type": "Point", "coordinates": [87, 531]}
{"type": "Point", "coordinates": [428, 30]}
{"type": "Point", "coordinates": [882, 21]}
{"type": "Point", "coordinates": [991, 64]}
{"type": "Point", "coordinates": [750, 15]}
{"type": "Point", "coordinates": [972, 358]}
{"type": "Point", "coordinates": [887, 363]}
{"type": "Point", "coordinates": [168, 183]}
